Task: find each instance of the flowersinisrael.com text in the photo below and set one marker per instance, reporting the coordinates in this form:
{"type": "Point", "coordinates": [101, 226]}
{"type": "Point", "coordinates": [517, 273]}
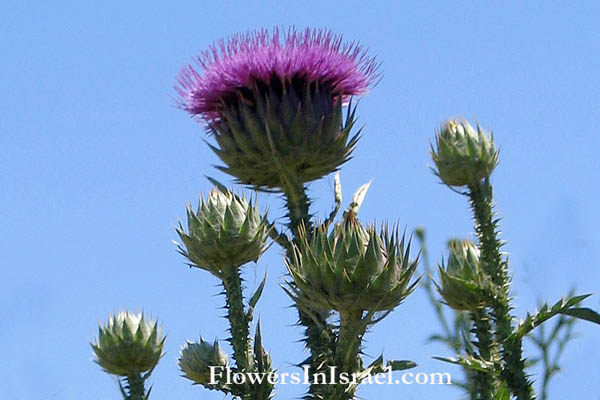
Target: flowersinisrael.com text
{"type": "Point", "coordinates": [228, 376]}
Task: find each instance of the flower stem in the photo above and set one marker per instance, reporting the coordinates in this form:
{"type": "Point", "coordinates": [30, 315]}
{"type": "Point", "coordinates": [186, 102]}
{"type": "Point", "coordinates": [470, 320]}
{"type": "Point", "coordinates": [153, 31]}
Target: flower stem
{"type": "Point", "coordinates": [347, 349]}
{"type": "Point", "coordinates": [298, 204]}
{"type": "Point", "coordinates": [318, 333]}
{"type": "Point", "coordinates": [352, 328]}
{"type": "Point", "coordinates": [238, 319]}
{"type": "Point", "coordinates": [134, 384]}
{"type": "Point", "coordinates": [483, 382]}
{"type": "Point", "coordinates": [513, 371]}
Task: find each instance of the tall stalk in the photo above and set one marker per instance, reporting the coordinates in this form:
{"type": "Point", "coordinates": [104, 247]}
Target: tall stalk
{"type": "Point", "coordinates": [318, 333]}
{"type": "Point", "coordinates": [238, 320]}
{"type": "Point", "coordinates": [513, 370]}
{"type": "Point", "coordinates": [134, 387]}
{"type": "Point", "coordinates": [483, 382]}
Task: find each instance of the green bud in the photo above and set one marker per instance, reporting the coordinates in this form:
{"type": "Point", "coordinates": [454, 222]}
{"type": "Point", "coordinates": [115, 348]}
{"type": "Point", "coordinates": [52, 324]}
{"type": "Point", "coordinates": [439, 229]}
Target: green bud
{"type": "Point", "coordinates": [227, 231]}
{"type": "Point", "coordinates": [128, 344]}
{"type": "Point", "coordinates": [463, 261]}
{"type": "Point", "coordinates": [462, 155]}
{"type": "Point", "coordinates": [350, 269]}
{"type": "Point", "coordinates": [196, 359]}
{"type": "Point", "coordinates": [462, 281]}
{"type": "Point", "coordinates": [290, 126]}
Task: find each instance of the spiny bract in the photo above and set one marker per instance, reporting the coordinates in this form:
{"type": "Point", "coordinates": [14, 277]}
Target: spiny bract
{"type": "Point", "coordinates": [462, 155]}
{"type": "Point", "coordinates": [462, 281]}
{"type": "Point", "coordinates": [128, 344]}
{"type": "Point", "coordinates": [196, 359]}
{"type": "Point", "coordinates": [290, 129]}
{"type": "Point", "coordinates": [350, 269]}
{"type": "Point", "coordinates": [227, 231]}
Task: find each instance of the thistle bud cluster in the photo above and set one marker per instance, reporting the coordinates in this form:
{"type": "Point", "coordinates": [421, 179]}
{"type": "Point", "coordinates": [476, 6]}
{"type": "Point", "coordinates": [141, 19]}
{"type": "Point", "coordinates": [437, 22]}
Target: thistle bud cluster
{"type": "Point", "coordinates": [462, 155]}
{"type": "Point", "coordinates": [463, 284]}
{"type": "Point", "coordinates": [352, 268]}
{"type": "Point", "coordinates": [226, 231]}
{"type": "Point", "coordinates": [273, 103]}
{"type": "Point", "coordinates": [128, 344]}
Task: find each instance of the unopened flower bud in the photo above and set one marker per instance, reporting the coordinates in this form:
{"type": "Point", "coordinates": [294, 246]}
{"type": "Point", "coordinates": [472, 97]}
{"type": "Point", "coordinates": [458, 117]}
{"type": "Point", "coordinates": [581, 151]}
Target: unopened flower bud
{"type": "Point", "coordinates": [351, 268]}
{"type": "Point", "coordinates": [462, 155]}
{"type": "Point", "coordinates": [196, 360]}
{"type": "Point", "coordinates": [227, 231]}
{"type": "Point", "coordinates": [462, 281]}
{"type": "Point", "coordinates": [128, 344]}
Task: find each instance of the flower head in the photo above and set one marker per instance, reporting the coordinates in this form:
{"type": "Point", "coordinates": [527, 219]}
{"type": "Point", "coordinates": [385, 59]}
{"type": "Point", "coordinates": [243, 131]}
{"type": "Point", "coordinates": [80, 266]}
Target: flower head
{"type": "Point", "coordinates": [463, 155]}
{"type": "Point", "coordinates": [196, 359]}
{"type": "Point", "coordinates": [128, 344]}
{"type": "Point", "coordinates": [273, 103]}
{"type": "Point", "coordinates": [226, 231]}
{"type": "Point", "coordinates": [352, 268]}
{"type": "Point", "coordinates": [246, 59]}
{"type": "Point", "coordinates": [463, 285]}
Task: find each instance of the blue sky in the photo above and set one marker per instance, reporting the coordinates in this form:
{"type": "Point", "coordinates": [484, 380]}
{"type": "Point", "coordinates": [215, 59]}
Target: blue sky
{"type": "Point", "coordinates": [97, 165]}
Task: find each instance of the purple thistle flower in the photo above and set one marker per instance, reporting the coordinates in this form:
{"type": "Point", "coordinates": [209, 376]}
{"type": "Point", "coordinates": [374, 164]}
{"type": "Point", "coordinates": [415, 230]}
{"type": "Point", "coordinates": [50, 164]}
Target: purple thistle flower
{"type": "Point", "coordinates": [245, 59]}
{"type": "Point", "coordinates": [273, 103]}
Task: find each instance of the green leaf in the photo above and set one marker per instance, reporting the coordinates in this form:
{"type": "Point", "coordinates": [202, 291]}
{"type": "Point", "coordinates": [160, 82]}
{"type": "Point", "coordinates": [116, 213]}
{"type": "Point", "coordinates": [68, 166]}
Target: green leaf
{"type": "Point", "coordinates": [260, 356]}
{"type": "Point", "coordinates": [399, 365]}
{"type": "Point", "coordinates": [471, 363]}
{"type": "Point", "coordinates": [583, 313]}
{"type": "Point", "coordinates": [565, 306]}
{"type": "Point", "coordinates": [256, 296]}
{"type": "Point", "coordinates": [222, 188]}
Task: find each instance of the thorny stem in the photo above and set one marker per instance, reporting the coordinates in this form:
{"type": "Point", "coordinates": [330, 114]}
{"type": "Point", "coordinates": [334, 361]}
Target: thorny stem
{"type": "Point", "coordinates": [279, 238]}
{"type": "Point", "coordinates": [134, 384]}
{"type": "Point", "coordinates": [318, 333]}
{"type": "Point", "coordinates": [352, 329]}
{"type": "Point", "coordinates": [483, 382]}
{"type": "Point", "coordinates": [298, 204]}
{"type": "Point", "coordinates": [513, 371]}
{"type": "Point", "coordinates": [238, 320]}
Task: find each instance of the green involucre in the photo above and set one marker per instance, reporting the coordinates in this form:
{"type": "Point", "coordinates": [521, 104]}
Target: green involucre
{"type": "Point", "coordinates": [462, 155]}
{"type": "Point", "coordinates": [350, 269]}
{"type": "Point", "coordinates": [290, 127]}
{"type": "Point", "coordinates": [463, 285]}
{"type": "Point", "coordinates": [196, 359]}
{"type": "Point", "coordinates": [226, 231]}
{"type": "Point", "coordinates": [128, 344]}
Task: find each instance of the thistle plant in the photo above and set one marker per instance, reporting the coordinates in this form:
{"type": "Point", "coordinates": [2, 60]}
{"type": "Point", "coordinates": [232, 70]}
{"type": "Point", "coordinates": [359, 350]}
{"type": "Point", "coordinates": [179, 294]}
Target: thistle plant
{"type": "Point", "coordinates": [273, 103]}
{"type": "Point", "coordinates": [225, 233]}
{"type": "Point", "coordinates": [480, 283]}
{"type": "Point", "coordinates": [277, 106]}
{"type": "Point", "coordinates": [356, 272]}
